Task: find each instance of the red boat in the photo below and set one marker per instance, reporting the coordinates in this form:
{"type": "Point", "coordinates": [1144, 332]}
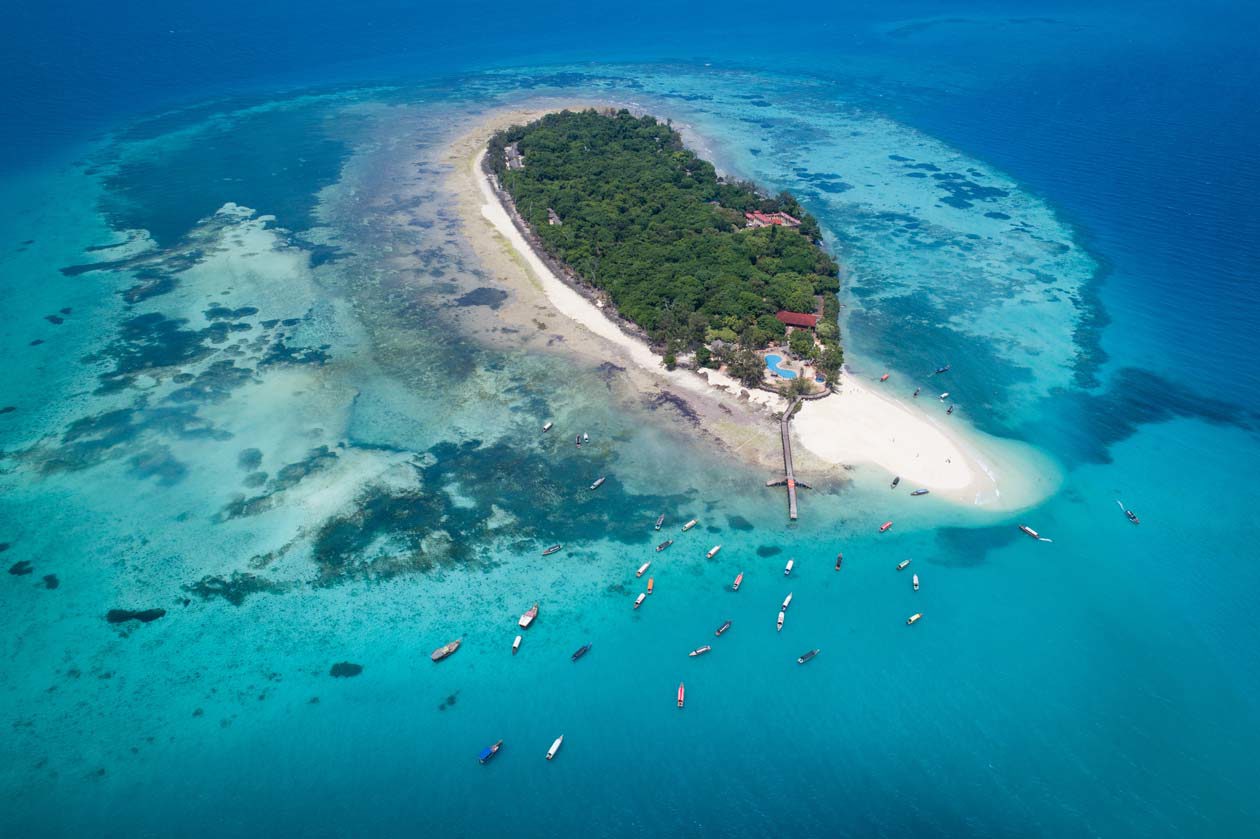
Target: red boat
{"type": "Point", "coordinates": [680, 694]}
{"type": "Point", "coordinates": [738, 579]}
{"type": "Point", "coordinates": [883, 527]}
{"type": "Point", "coordinates": [884, 378]}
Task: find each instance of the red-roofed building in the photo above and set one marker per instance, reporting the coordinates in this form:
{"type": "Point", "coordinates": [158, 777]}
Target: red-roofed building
{"type": "Point", "coordinates": [756, 219]}
{"type": "Point", "coordinates": [797, 319]}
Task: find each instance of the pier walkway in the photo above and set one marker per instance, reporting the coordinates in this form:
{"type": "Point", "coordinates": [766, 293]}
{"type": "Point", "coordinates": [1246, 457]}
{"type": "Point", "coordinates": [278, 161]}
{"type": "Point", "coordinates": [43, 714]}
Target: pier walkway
{"type": "Point", "coordinates": [789, 475]}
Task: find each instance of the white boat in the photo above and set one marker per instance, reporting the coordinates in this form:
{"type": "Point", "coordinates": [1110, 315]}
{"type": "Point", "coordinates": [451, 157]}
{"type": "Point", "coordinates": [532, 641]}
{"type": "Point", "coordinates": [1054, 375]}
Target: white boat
{"type": "Point", "coordinates": [699, 651]}
{"type": "Point", "coordinates": [915, 582]}
{"type": "Point", "coordinates": [599, 482]}
{"type": "Point", "coordinates": [638, 601]}
{"type": "Point", "coordinates": [528, 617]}
{"type": "Point", "coordinates": [548, 425]}
{"type": "Point", "coordinates": [787, 601]}
{"type": "Point", "coordinates": [516, 645]}
{"type": "Point", "coordinates": [780, 622]}
{"type": "Point", "coordinates": [690, 525]}
{"type": "Point", "coordinates": [642, 568]}
{"type": "Point", "coordinates": [902, 564]}
{"type": "Point", "coordinates": [555, 747]}
{"type": "Point", "coordinates": [586, 438]}
{"type": "Point", "coordinates": [913, 618]}
{"type": "Point", "coordinates": [788, 568]}
{"type": "Point", "coordinates": [713, 552]}
{"type": "Point", "coordinates": [945, 395]}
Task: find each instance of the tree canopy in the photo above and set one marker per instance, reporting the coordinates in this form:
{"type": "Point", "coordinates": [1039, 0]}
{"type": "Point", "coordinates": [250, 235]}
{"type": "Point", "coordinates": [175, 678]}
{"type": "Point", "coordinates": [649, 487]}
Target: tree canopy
{"type": "Point", "coordinates": [650, 223]}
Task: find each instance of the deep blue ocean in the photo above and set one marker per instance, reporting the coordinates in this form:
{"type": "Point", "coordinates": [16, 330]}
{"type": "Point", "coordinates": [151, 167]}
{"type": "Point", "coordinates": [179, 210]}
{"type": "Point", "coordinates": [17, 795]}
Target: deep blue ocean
{"type": "Point", "coordinates": [232, 390]}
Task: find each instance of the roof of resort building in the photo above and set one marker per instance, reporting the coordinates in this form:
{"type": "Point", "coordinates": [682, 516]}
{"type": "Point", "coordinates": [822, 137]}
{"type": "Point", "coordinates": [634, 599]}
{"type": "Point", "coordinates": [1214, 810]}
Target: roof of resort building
{"type": "Point", "coordinates": [797, 319]}
{"type": "Point", "coordinates": [758, 219]}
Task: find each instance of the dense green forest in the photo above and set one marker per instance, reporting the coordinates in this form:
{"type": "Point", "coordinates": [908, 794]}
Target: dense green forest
{"type": "Point", "coordinates": [651, 224]}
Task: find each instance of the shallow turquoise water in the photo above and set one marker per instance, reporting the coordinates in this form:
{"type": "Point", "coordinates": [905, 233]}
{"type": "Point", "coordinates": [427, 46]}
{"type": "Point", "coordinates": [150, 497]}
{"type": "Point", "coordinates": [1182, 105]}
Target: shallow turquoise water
{"type": "Point", "coordinates": [271, 429]}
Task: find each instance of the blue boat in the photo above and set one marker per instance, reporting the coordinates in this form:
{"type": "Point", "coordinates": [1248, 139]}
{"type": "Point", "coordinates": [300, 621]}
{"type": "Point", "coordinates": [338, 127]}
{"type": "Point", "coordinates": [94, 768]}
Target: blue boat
{"type": "Point", "coordinates": [583, 650]}
{"type": "Point", "coordinates": [489, 752]}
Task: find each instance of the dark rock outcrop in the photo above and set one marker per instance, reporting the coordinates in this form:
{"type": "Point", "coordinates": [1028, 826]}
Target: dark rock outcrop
{"type": "Point", "coordinates": [142, 615]}
{"type": "Point", "coordinates": [21, 569]}
{"type": "Point", "coordinates": [345, 669]}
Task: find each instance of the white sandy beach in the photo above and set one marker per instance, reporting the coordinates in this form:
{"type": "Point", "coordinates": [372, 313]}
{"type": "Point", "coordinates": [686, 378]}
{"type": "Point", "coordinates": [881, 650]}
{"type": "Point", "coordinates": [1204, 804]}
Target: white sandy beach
{"type": "Point", "coordinates": [856, 427]}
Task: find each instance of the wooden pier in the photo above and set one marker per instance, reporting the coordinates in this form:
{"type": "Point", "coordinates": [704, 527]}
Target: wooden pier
{"type": "Point", "coordinates": [789, 475]}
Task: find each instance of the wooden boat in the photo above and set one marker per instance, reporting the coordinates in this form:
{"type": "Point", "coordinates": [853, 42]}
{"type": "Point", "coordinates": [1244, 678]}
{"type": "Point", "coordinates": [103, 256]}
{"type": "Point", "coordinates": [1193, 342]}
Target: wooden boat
{"type": "Point", "coordinates": [787, 569]}
{"type": "Point", "coordinates": [681, 694]}
{"type": "Point", "coordinates": [689, 525]}
{"type": "Point", "coordinates": [780, 624]}
{"type": "Point", "coordinates": [663, 545]}
{"type": "Point", "coordinates": [547, 426]}
{"type": "Point", "coordinates": [839, 560]}
{"type": "Point", "coordinates": [599, 482]}
{"type": "Point", "coordinates": [642, 568]}
{"type": "Point", "coordinates": [713, 552]}
{"type": "Point", "coordinates": [578, 441]}
{"type": "Point", "coordinates": [446, 649]}
{"type": "Point", "coordinates": [787, 601]}
{"type": "Point", "coordinates": [913, 618]}
{"type": "Point", "coordinates": [489, 752]}
{"type": "Point", "coordinates": [660, 521]}
{"type": "Point", "coordinates": [581, 651]}
{"type": "Point", "coordinates": [528, 617]}
{"type": "Point", "coordinates": [1028, 530]}
{"type": "Point", "coordinates": [883, 528]}
{"type": "Point", "coordinates": [516, 645]}
{"type": "Point", "coordinates": [725, 626]}
{"type": "Point", "coordinates": [739, 579]}
{"type": "Point", "coordinates": [884, 378]}
{"type": "Point", "coordinates": [919, 492]}
{"type": "Point", "coordinates": [699, 651]}
{"type": "Point", "coordinates": [638, 601]}
{"type": "Point", "coordinates": [651, 581]}
{"type": "Point", "coordinates": [895, 481]}
{"type": "Point", "coordinates": [555, 747]}
{"type": "Point", "coordinates": [940, 370]}
{"type": "Point", "coordinates": [914, 581]}
{"type": "Point", "coordinates": [807, 656]}
{"type": "Point", "coordinates": [551, 550]}
{"type": "Point", "coordinates": [949, 410]}
{"type": "Point", "coordinates": [901, 565]}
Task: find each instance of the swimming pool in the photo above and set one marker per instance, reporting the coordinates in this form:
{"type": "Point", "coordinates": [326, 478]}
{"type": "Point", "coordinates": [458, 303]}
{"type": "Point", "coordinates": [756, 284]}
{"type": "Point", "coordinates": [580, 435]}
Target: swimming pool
{"type": "Point", "coordinates": [772, 361]}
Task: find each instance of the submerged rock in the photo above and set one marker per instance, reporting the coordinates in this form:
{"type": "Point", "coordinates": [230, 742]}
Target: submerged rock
{"type": "Point", "coordinates": [142, 615]}
{"type": "Point", "coordinates": [51, 581]}
{"type": "Point", "coordinates": [21, 569]}
{"type": "Point", "coordinates": [345, 669]}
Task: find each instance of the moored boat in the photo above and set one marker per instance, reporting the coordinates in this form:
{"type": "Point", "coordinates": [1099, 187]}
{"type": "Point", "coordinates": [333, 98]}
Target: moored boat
{"type": "Point", "coordinates": [586, 438]}
{"type": "Point", "coordinates": [582, 650]}
{"type": "Point", "coordinates": [663, 545]}
{"type": "Point", "coordinates": [913, 618]}
{"type": "Point", "coordinates": [807, 656]}
{"type": "Point", "coordinates": [547, 426]}
{"type": "Point", "coordinates": [914, 581]}
{"type": "Point", "coordinates": [446, 649]}
{"type": "Point", "coordinates": [884, 378]}
{"type": "Point", "coordinates": [895, 481]}
{"type": "Point", "coordinates": [787, 601]}
{"type": "Point", "coordinates": [555, 747]}
{"type": "Point", "coordinates": [651, 582]}
{"type": "Point", "coordinates": [699, 651]}
{"type": "Point", "coordinates": [883, 528]}
{"type": "Point", "coordinates": [739, 579]}
{"type": "Point", "coordinates": [578, 441]}
{"type": "Point", "coordinates": [713, 552]}
{"type": "Point", "coordinates": [642, 568]}
{"type": "Point", "coordinates": [787, 569]}
{"type": "Point", "coordinates": [551, 550]}
{"type": "Point", "coordinates": [599, 482]}
{"type": "Point", "coordinates": [839, 560]}
{"type": "Point", "coordinates": [902, 564]}
{"type": "Point", "coordinates": [638, 601]}
{"type": "Point", "coordinates": [690, 525]}
{"type": "Point", "coordinates": [489, 752]}
{"type": "Point", "coordinates": [725, 626]}
{"type": "Point", "coordinates": [949, 410]}
{"type": "Point", "coordinates": [920, 492]}
{"type": "Point", "coordinates": [944, 396]}
{"type": "Point", "coordinates": [516, 645]}
{"type": "Point", "coordinates": [780, 624]}
{"type": "Point", "coordinates": [682, 693]}
{"type": "Point", "coordinates": [528, 617]}
{"type": "Point", "coordinates": [660, 521]}
{"type": "Point", "coordinates": [940, 370]}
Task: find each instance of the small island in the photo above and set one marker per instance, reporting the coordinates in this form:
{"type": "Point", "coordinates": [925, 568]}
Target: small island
{"type": "Point", "coordinates": [708, 268]}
